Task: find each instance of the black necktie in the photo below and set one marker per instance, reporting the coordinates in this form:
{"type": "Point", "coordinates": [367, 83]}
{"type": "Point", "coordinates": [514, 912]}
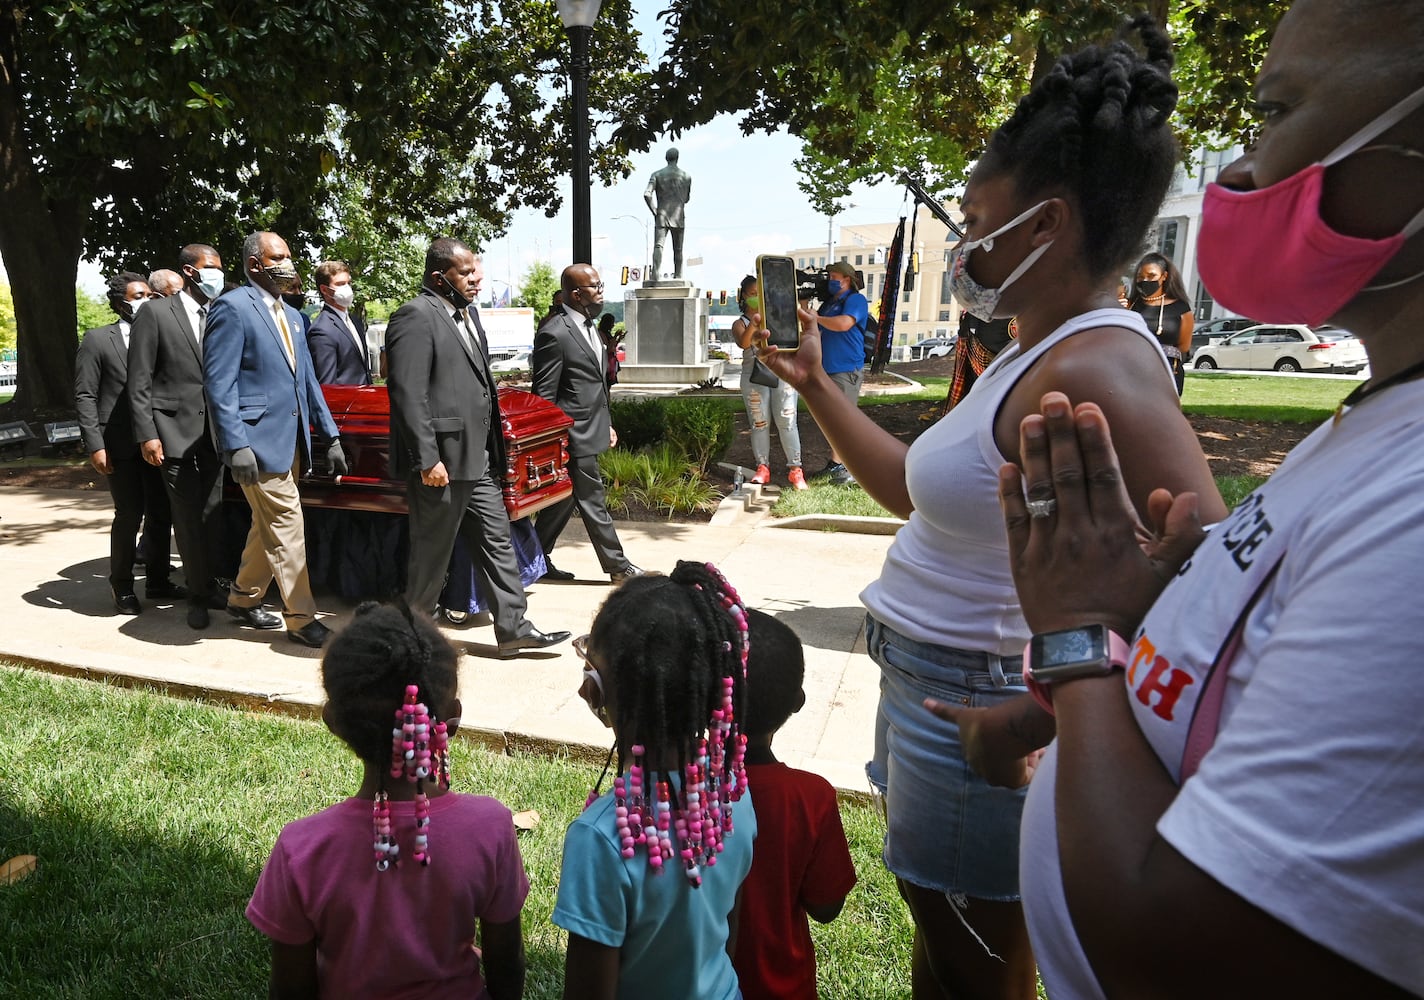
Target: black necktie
{"type": "Point", "coordinates": [202, 323]}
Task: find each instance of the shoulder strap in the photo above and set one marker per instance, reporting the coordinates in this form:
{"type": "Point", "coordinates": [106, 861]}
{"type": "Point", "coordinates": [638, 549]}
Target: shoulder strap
{"type": "Point", "coordinates": [1206, 719]}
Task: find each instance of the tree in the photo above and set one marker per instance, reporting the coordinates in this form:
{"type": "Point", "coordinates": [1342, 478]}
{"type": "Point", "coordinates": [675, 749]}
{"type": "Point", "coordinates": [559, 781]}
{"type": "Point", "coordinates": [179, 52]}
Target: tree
{"type": "Point", "coordinates": [7, 319]}
{"type": "Point", "coordinates": [537, 287]}
{"type": "Point", "coordinates": [131, 127]}
{"type": "Point", "coordinates": [874, 87]}
{"type": "Point", "coordinates": [90, 312]}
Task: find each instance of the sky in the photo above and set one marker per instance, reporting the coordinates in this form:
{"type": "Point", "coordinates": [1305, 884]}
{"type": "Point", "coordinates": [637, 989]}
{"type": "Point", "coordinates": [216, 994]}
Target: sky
{"type": "Point", "coordinates": [745, 201]}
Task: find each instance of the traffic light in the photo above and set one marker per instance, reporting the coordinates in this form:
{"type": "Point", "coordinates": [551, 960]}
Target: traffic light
{"type": "Point", "coordinates": [722, 299]}
{"type": "Point", "coordinates": [625, 274]}
{"type": "Point", "coordinates": [709, 296]}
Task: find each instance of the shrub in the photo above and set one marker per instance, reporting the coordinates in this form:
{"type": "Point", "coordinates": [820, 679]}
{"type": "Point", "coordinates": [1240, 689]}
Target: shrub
{"type": "Point", "coordinates": [640, 422]}
{"type": "Point", "coordinates": [702, 429]}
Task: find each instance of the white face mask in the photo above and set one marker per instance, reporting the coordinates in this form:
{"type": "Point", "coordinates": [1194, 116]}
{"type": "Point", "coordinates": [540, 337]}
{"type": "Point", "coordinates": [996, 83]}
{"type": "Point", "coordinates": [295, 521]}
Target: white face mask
{"type": "Point", "coordinates": [343, 295]}
{"type": "Point", "coordinates": [973, 297]}
{"type": "Point", "coordinates": [210, 281]}
{"type": "Point", "coordinates": [134, 306]}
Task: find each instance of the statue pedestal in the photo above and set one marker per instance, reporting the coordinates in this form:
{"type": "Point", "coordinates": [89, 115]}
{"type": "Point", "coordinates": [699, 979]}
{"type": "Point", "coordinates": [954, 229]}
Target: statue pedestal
{"type": "Point", "coordinates": [667, 332]}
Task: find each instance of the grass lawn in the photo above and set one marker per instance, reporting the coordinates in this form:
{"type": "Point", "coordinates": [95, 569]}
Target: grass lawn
{"type": "Point", "coordinates": [151, 818]}
{"type": "Point", "coordinates": [1264, 397]}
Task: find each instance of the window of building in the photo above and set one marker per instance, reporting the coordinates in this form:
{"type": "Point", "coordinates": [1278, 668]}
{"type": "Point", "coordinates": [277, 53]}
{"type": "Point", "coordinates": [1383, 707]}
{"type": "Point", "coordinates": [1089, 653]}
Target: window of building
{"type": "Point", "coordinates": [906, 297]}
{"type": "Point", "coordinates": [1202, 304]}
{"type": "Point", "coordinates": [944, 315]}
{"type": "Point", "coordinates": [859, 258]}
{"type": "Point", "coordinates": [1169, 236]}
{"type": "Point", "coordinates": [946, 290]}
{"type": "Point", "coordinates": [1212, 162]}
{"type": "Point", "coordinates": [905, 317]}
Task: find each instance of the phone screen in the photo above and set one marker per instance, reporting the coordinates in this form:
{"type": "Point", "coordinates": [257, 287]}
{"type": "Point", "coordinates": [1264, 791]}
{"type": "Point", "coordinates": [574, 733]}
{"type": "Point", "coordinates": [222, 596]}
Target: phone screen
{"type": "Point", "coordinates": [777, 277]}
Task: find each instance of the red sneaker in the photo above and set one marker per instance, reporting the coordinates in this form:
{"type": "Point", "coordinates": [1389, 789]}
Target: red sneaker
{"type": "Point", "coordinates": [763, 475]}
{"type": "Point", "coordinates": [796, 477]}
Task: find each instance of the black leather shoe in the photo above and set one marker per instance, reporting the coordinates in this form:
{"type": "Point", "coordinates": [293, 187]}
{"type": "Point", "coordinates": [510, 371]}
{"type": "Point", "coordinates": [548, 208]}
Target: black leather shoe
{"type": "Point", "coordinates": [313, 634]}
{"type": "Point", "coordinates": [256, 616]}
{"type": "Point", "coordinates": [553, 573]}
{"type": "Point", "coordinates": [533, 639]}
{"type": "Point", "coordinates": [165, 590]}
{"type": "Point", "coordinates": [126, 603]}
{"type": "Point", "coordinates": [626, 573]}
{"type": "Point", "coordinates": [198, 616]}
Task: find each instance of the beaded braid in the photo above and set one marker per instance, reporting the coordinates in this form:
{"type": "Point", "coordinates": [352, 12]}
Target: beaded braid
{"type": "Point", "coordinates": [419, 750]}
{"type": "Point", "coordinates": [648, 814]}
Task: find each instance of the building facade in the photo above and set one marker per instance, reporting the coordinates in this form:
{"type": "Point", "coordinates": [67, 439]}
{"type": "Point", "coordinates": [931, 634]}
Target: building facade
{"type": "Point", "coordinates": [926, 310]}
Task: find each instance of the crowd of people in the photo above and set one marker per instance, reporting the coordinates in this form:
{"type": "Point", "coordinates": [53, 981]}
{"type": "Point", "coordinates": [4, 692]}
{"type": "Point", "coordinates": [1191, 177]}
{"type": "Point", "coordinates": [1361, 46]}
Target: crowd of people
{"type": "Point", "coordinates": [1112, 743]}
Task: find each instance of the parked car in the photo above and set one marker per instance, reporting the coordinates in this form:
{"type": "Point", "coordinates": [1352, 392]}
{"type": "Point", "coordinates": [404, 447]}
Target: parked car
{"type": "Point", "coordinates": [515, 363]}
{"type": "Point", "coordinates": [1286, 348]}
{"type": "Point", "coordinates": [931, 347]}
{"type": "Point", "coordinates": [1214, 330]}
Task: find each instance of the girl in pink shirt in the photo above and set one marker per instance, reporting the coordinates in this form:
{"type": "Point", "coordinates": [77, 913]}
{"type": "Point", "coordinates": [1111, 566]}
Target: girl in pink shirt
{"type": "Point", "coordinates": [406, 889]}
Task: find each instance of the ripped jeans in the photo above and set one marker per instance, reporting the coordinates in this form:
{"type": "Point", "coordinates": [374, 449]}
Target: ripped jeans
{"type": "Point", "coordinates": [781, 402]}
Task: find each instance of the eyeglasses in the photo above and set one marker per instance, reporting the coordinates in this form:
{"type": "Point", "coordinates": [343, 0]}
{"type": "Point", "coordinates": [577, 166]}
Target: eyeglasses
{"type": "Point", "coordinates": [597, 286]}
{"type": "Point", "coordinates": [590, 672]}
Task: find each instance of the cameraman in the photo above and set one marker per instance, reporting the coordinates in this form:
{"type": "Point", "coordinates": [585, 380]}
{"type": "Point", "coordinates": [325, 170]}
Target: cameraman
{"type": "Point", "coordinates": [842, 318]}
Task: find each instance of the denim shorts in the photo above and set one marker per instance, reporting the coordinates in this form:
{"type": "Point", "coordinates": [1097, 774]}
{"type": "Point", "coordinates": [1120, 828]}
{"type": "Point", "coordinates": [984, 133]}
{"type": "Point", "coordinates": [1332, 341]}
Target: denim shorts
{"type": "Point", "coordinates": [946, 828]}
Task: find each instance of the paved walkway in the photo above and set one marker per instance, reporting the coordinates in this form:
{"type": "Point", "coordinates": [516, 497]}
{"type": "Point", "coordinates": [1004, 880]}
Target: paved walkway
{"type": "Point", "coordinates": [57, 614]}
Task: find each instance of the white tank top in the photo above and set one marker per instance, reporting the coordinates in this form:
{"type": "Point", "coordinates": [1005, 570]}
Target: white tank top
{"type": "Point", "coordinates": [946, 578]}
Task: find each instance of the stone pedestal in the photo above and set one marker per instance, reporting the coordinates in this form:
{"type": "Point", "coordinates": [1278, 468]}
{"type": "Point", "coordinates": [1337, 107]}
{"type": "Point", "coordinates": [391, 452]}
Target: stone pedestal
{"type": "Point", "coordinates": [667, 332]}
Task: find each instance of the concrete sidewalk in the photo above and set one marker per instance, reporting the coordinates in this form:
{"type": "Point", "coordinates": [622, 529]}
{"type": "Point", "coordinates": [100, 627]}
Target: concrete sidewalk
{"type": "Point", "coordinates": [58, 615]}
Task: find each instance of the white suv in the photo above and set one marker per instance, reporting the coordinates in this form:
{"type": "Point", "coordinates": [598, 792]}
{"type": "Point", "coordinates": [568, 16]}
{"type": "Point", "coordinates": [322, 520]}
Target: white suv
{"type": "Point", "coordinates": [1286, 348]}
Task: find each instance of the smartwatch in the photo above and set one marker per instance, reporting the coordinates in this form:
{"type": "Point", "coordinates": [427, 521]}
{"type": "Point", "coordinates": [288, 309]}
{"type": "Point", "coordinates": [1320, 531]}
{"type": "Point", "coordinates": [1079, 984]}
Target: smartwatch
{"type": "Point", "coordinates": [1054, 657]}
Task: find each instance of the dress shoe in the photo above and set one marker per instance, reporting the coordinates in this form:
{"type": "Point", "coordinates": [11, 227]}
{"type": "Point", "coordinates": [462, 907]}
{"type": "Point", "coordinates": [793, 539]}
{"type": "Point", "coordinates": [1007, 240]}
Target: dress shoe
{"type": "Point", "coordinates": [197, 616]}
{"type": "Point", "coordinates": [553, 573]}
{"type": "Point", "coordinates": [533, 639]}
{"type": "Point", "coordinates": [313, 634]}
{"type": "Point", "coordinates": [257, 616]}
{"type": "Point", "coordinates": [126, 603]}
{"type": "Point", "coordinates": [165, 590]}
{"type": "Point", "coordinates": [463, 618]}
{"type": "Point", "coordinates": [626, 573]}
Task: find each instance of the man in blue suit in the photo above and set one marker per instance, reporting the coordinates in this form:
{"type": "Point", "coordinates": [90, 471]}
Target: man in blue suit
{"type": "Point", "coordinates": [264, 398]}
{"type": "Point", "coordinates": [336, 338]}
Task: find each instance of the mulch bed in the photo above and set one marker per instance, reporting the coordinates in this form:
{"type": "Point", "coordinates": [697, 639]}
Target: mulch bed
{"type": "Point", "coordinates": [1232, 447]}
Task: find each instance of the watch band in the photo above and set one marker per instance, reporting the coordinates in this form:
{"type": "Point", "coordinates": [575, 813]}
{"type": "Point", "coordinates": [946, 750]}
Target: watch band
{"type": "Point", "coordinates": [1118, 652]}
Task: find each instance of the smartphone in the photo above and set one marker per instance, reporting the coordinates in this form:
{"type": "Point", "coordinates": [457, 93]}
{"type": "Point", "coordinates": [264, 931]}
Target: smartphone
{"type": "Point", "coordinates": [777, 278]}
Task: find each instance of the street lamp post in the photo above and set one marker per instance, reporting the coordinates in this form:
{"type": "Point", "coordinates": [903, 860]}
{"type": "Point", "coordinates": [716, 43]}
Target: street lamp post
{"type": "Point", "coordinates": [830, 235]}
{"type": "Point", "coordinates": [578, 17]}
{"type": "Point", "coordinates": [643, 265]}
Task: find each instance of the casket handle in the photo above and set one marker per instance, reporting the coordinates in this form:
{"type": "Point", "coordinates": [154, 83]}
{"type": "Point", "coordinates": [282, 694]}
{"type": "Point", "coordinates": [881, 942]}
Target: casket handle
{"type": "Point", "coordinates": [537, 475]}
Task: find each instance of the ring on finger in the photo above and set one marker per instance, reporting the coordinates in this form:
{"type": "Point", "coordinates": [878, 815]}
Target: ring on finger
{"type": "Point", "coordinates": [1041, 508]}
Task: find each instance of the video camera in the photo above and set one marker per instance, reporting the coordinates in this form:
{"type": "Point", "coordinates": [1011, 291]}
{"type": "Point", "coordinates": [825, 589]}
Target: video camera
{"type": "Point", "coordinates": [812, 284]}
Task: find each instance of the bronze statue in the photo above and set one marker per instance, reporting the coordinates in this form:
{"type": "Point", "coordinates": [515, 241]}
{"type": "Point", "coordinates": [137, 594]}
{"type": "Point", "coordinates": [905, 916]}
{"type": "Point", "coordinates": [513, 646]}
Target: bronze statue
{"type": "Point", "coordinates": [669, 189]}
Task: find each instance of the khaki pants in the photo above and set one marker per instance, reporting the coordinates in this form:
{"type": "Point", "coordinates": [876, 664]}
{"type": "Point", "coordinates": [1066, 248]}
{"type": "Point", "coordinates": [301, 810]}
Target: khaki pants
{"type": "Point", "coordinates": [276, 549]}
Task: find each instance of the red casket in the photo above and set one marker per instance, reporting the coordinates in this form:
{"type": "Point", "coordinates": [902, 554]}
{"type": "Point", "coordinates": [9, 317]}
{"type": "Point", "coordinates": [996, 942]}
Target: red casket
{"type": "Point", "coordinates": [536, 440]}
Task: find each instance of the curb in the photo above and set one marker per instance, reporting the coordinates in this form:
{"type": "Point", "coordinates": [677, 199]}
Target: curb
{"type": "Point", "coordinates": [840, 522]}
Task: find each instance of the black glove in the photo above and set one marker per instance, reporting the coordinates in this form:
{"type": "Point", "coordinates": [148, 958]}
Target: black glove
{"type": "Point", "coordinates": [336, 458]}
{"type": "Point", "coordinates": [243, 464]}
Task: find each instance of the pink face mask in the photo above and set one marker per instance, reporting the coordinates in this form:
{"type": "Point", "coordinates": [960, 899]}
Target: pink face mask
{"type": "Point", "coordinates": [1317, 269]}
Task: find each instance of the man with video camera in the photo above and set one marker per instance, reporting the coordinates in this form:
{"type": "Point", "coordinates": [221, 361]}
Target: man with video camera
{"type": "Point", "coordinates": [842, 317]}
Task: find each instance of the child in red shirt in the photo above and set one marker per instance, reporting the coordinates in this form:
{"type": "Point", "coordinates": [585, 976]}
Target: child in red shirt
{"type": "Point", "coordinates": [801, 865]}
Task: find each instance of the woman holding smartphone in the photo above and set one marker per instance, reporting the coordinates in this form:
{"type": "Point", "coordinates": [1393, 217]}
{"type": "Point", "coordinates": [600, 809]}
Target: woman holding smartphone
{"type": "Point", "coordinates": [1065, 193]}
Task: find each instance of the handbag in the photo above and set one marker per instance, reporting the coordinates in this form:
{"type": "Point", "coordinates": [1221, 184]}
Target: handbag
{"type": "Point", "coordinates": [762, 375]}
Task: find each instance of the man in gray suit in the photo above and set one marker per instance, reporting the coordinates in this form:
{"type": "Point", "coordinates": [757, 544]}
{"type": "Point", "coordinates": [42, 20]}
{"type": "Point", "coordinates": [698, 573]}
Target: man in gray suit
{"type": "Point", "coordinates": [447, 443]}
{"type": "Point", "coordinates": [100, 373]}
{"type": "Point", "coordinates": [570, 371]}
{"type": "Point", "coordinates": [668, 191]}
{"type": "Point", "coordinates": [170, 419]}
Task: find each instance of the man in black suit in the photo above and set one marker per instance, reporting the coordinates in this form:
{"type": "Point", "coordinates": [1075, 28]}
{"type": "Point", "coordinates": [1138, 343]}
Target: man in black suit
{"type": "Point", "coordinates": [170, 420]}
{"type": "Point", "coordinates": [100, 372]}
{"type": "Point", "coordinates": [336, 338]}
{"type": "Point", "coordinates": [571, 371]}
{"type": "Point", "coordinates": [447, 442]}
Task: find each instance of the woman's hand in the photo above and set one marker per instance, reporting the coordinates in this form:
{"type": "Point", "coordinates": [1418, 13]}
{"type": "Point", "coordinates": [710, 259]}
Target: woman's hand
{"type": "Point", "coordinates": [1002, 743]}
{"type": "Point", "coordinates": [1090, 560]}
{"type": "Point", "coordinates": [796, 367]}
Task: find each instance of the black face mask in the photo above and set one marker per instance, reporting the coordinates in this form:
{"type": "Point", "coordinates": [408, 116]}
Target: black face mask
{"type": "Point", "coordinates": [455, 298]}
{"type": "Point", "coordinates": [1148, 288]}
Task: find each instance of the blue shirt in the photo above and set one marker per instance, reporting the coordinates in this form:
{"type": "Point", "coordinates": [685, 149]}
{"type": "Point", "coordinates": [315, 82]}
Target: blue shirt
{"type": "Point", "coordinates": [672, 938]}
{"type": "Point", "coordinates": [844, 350]}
